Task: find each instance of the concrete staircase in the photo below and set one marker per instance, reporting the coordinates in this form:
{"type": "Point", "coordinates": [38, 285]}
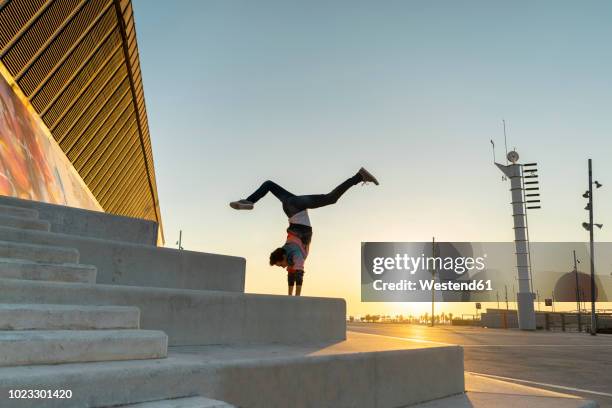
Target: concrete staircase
{"type": "Point", "coordinates": [51, 334]}
{"type": "Point", "coordinates": [94, 309]}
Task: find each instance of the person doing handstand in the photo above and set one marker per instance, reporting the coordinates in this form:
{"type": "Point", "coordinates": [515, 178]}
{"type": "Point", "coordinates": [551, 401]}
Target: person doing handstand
{"type": "Point", "coordinates": [293, 254]}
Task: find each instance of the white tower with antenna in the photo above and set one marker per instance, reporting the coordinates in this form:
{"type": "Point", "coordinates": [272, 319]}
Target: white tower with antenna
{"type": "Point", "coordinates": [525, 296]}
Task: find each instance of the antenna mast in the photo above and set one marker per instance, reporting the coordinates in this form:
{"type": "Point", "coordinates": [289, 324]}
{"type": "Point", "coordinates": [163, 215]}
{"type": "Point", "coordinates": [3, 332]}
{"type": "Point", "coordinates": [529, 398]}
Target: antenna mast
{"type": "Point", "coordinates": [505, 140]}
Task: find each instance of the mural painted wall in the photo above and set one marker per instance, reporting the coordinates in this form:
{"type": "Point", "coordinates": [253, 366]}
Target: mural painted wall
{"type": "Point", "coordinates": [32, 165]}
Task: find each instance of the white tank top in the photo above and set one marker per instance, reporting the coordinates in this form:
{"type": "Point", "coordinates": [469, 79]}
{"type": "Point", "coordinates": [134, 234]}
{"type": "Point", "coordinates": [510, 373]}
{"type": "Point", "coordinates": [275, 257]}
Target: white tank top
{"type": "Point", "coordinates": [300, 218]}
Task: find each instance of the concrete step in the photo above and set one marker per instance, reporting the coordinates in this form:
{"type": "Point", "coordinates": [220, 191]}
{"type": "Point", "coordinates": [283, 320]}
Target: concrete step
{"type": "Point", "coordinates": [24, 223]}
{"type": "Point", "coordinates": [38, 253]}
{"type": "Point", "coordinates": [94, 224]}
{"type": "Point", "coordinates": [70, 346]}
{"type": "Point", "coordinates": [497, 400]}
{"type": "Point", "coordinates": [15, 211]}
{"type": "Point", "coordinates": [191, 317]}
{"type": "Point", "coordinates": [361, 372]}
{"type": "Point", "coordinates": [67, 317]}
{"type": "Point", "coordinates": [22, 269]}
{"type": "Point", "coordinates": [484, 392]}
{"type": "Point", "coordinates": [189, 402]}
{"type": "Point", "coordinates": [125, 263]}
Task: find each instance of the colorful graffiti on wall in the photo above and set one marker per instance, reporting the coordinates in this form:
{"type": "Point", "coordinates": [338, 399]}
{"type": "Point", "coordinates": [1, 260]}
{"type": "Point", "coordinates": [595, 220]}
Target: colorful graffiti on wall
{"type": "Point", "coordinates": [32, 165]}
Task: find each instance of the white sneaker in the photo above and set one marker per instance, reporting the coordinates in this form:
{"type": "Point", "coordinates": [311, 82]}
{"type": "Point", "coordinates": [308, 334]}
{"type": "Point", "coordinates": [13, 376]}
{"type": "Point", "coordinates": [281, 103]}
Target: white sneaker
{"type": "Point", "coordinates": [367, 176]}
{"type": "Point", "coordinates": [241, 205]}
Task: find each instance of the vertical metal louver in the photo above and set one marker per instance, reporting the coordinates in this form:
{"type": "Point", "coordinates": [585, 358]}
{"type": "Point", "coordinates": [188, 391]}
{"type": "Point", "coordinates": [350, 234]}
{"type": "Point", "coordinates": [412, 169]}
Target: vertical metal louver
{"type": "Point", "coordinates": [77, 63]}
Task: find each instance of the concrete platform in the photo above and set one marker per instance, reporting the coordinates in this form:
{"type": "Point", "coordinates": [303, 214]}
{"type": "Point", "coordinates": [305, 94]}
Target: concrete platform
{"type": "Point", "coordinates": [125, 263]}
{"type": "Point", "coordinates": [189, 402]}
{"type": "Point", "coordinates": [18, 211]}
{"type": "Point", "coordinates": [483, 392]}
{"type": "Point", "coordinates": [22, 269]}
{"type": "Point", "coordinates": [192, 317]}
{"type": "Point", "coordinates": [25, 223]}
{"type": "Point", "coordinates": [70, 346]}
{"type": "Point", "coordinates": [67, 317]}
{"type": "Point", "coordinates": [38, 253]}
{"type": "Point", "coordinates": [361, 372]}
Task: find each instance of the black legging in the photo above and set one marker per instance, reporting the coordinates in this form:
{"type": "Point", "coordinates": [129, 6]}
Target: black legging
{"type": "Point", "coordinates": [293, 204]}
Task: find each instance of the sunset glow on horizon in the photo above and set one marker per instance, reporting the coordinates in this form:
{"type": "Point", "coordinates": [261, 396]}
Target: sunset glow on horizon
{"type": "Point", "coordinates": [305, 94]}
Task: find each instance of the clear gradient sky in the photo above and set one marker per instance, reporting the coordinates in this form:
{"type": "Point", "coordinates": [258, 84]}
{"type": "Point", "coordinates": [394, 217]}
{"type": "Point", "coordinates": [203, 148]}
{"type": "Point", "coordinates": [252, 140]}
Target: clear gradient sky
{"type": "Point", "coordinates": [305, 93]}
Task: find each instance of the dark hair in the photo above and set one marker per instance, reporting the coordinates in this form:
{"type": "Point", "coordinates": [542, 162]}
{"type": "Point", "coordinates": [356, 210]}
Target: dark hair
{"type": "Point", "coordinates": [277, 255]}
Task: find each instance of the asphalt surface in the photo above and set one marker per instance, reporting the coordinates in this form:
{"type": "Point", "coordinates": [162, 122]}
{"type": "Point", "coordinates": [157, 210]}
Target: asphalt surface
{"type": "Point", "coordinates": [571, 363]}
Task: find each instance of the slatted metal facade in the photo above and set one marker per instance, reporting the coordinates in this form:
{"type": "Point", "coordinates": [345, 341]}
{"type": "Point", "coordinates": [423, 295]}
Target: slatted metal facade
{"type": "Point", "coordinates": [77, 63]}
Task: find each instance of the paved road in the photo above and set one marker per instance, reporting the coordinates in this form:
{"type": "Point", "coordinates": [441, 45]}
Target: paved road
{"type": "Point", "coordinates": [580, 362]}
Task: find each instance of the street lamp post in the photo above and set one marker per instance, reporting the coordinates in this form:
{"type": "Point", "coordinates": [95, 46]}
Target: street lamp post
{"type": "Point", "coordinates": [577, 294]}
{"type": "Point", "coordinates": [506, 295]}
{"type": "Point", "coordinates": [180, 240]}
{"type": "Point", "coordinates": [433, 277]}
{"type": "Point", "coordinates": [591, 243]}
{"type": "Point", "coordinates": [590, 227]}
